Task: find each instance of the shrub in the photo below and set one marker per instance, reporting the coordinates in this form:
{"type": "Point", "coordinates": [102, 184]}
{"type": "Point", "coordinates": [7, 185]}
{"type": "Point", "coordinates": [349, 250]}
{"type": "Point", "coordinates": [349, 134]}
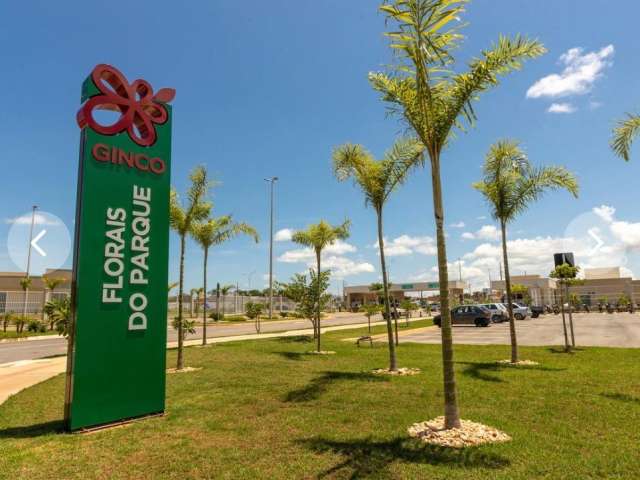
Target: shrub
{"type": "Point", "coordinates": [284, 314]}
{"type": "Point", "coordinates": [36, 326]}
{"type": "Point", "coordinates": [217, 316]}
{"type": "Point", "coordinates": [235, 318]}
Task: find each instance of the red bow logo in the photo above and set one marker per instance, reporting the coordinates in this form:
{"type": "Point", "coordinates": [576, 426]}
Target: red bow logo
{"type": "Point", "coordinates": [139, 108]}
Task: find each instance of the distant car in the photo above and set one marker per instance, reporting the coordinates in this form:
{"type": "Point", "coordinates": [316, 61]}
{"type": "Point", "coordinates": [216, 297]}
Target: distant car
{"type": "Point", "coordinates": [467, 315]}
{"type": "Point", "coordinates": [520, 312]}
{"type": "Point", "coordinates": [499, 312]}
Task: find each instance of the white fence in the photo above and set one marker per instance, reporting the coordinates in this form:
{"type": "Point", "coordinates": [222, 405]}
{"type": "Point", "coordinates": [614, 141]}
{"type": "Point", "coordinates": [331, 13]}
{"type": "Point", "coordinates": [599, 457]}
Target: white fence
{"type": "Point", "coordinates": [234, 304]}
{"type": "Point", "coordinates": [14, 301]}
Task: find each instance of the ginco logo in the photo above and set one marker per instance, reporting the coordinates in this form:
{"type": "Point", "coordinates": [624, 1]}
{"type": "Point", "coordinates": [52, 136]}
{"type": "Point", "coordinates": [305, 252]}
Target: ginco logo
{"type": "Point", "coordinates": [104, 153]}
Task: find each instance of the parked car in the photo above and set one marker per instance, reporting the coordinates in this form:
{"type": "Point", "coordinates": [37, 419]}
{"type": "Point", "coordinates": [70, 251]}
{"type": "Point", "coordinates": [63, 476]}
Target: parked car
{"type": "Point", "coordinates": [520, 312]}
{"type": "Point", "coordinates": [499, 312]}
{"type": "Point", "coordinates": [467, 315]}
{"type": "Point", "coordinates": [536, 311]}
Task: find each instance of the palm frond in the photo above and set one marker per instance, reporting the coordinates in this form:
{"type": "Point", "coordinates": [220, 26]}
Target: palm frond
{"type": "Point", "coordinates": [624, 134]}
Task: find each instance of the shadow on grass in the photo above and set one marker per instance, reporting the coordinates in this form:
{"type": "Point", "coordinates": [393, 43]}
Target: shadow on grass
{"type": "Point", "coordinates": [319, 385]}
{"type": "Point", "coordinates": [296, 339]}
{"type": "Point", "coordinates": [363, 458]}
{"type": "Point", "coordinates": [292, 355]}
{"type": "Point", "coordinates": [571, 351]}
{"type": "Point", "coordinates": [37, 430]}
{"type": "Point", "coordinates": [622, 397]}
{"type": "Point", "coordinates": [483, 370]}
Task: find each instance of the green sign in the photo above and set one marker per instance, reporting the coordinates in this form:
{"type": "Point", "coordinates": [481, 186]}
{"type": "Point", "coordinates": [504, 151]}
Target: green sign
{"type": "Point", "coordinates": [434, 285]}
{"type": "Point", "coordinates": [117, 345]}
{"type": "Point", "coordinates": [406, 286]}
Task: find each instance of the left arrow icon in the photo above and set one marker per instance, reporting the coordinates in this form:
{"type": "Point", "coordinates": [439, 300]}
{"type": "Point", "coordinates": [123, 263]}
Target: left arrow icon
{"type": "Point", "coordinates": [34, 243]}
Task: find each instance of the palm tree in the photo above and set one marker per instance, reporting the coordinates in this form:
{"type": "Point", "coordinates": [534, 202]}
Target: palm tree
{"type": "Point", "coordinates": [181, 217]}
{"type": "Point", "coordinates": [377, 179]}
{"type": "Point", "coordinates": [25, 284]}
{"type": "Point", "coordinates": [195, 293]}
{"type": "Point", "coordinates": [434, 101]}
{"type": "Point", "coordinates": [319, 236]}
{"type": "Point", "coordinates": [510, 185]}
{"type": "Point", "coordinates": [624, 134]}
{"type": "Point", "coordinates": [59, 312]}
{"type": "Point", "coordinates": [224, 291]}
{"type": "Point", "coordinates": [51, 283]}
{"type": "Point", "coordinates": [214, 232]}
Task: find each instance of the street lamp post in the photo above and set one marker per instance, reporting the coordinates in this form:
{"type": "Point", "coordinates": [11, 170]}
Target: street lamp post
{"type": "Point", "coordinates": [272, 181]}
{"type": "Point", "coordinates": [26, 291]}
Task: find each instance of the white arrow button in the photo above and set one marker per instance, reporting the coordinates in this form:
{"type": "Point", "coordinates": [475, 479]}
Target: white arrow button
{"type": "Point", "coordinates": [34, 243]}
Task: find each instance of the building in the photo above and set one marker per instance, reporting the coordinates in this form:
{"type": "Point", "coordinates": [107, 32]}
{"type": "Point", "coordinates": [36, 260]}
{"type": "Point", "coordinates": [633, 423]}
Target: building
{"type": "Point", "coordinates": [12, 296]}
{"type": "Point", "coordinates": [600, 285]}
{"type": "Point", "coordinates": [358, 295]}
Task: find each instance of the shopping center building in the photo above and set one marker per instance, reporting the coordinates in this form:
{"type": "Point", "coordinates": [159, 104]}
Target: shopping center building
{"type": "Point", "coordinates": [12, 295]}
{"type": "Point", "coordinates": [600, 285]}
{"type": "Point", "coordinates": [358, 295]}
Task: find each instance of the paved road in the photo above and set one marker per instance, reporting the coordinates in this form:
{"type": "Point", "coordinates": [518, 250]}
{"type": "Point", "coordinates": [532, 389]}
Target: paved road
{"type": "Point", "coordinates": [591, 329]}
{"type": "Point", "coordinates": [32, 349]}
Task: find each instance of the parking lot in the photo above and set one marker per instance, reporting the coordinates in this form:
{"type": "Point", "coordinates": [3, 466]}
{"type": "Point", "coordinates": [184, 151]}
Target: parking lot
{"type": "Point", "coordinates": [591, 329]}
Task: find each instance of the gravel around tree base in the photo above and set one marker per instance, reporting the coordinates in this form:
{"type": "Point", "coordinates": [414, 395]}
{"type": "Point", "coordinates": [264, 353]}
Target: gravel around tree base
{"type": "Point", "coordinates": [183, 370]}
{"type": "Point", "coordinates": [469, 435]}
{"type": "Point", "coordinates": [518, 363]}
{"type": "Point", "coordinates": [321, 352]}
{"type": "Point", "coordinates": [398, 372]}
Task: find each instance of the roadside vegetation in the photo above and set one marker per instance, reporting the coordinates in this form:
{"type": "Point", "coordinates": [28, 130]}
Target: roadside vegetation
{"type": "Point", "coordinates": [264, 409]}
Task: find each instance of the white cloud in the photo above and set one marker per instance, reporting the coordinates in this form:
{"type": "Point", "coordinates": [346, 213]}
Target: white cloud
{"type": "Point", "coordinates": [343, 267]}
{"type": "Point", "coordinates": [486, 232]}
{"type": "Point", "coordinates": [580, 72]}
{"type": "Point", "coordinates": [332, 258]}
{"type": "Point", "coordinates": [339, 248]}
{"type": "Point", "coordinates": [297, 255]}
{"type": "Point", "coordinates": [605, 212]}
{"type": "Point", "coordinates": [561, 108]}
{"type": "Point", "coordinates": [627, 233]}
{"type": "Point", "coordinates": [482, 217]}
{"type": "Point", "coordinates": [38, 219]}
{"type": "Point", "coordinates": [408, 245]}
{"type": "Point", "coordinates": [283, 235]}
{"type": "Point", "coordinates": [457, 225]}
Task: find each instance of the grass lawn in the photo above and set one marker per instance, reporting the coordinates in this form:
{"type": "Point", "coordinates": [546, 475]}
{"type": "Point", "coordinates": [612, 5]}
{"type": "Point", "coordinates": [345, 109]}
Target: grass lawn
{"type": "Point", "coordinates": [14, 334]}
{"type": "Point", "coordinates": [264, 409]}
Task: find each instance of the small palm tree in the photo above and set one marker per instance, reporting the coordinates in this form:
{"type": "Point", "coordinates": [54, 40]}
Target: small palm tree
{"type": "Point", "coordinates": [214, 232]}
{"type": "Point", "coordinates": [510, 185]}
{"type": "Point", "coordinates": [224, 291]}
{"type": "Point", "coordinates": [59, 313]}
{"type": "Point", "coordinates": [319, 236]}
{"type": "Point", "coordinates": [181, 218]}
{"type": "Point", "coordinates": [434, 99]}
{"type": "Point", "coordinates": [624, 134]}
{"type": "Point", "coordinates": [25, 284]}
{"type": "Point", "coordinates": [377, 179]}
{"type": "Point", "coordinates": [51, 283]}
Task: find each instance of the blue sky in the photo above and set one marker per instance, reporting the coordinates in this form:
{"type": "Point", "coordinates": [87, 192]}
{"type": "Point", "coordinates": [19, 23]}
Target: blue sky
{"type": "Point", "coordinates": [269, 88]}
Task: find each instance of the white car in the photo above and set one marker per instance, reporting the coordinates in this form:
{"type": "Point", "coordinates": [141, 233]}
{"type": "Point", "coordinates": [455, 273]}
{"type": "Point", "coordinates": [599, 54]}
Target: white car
{"type": "Point", "coordinates": [499, 312]}
{"type": "Point", "coordinates": [520, 312]}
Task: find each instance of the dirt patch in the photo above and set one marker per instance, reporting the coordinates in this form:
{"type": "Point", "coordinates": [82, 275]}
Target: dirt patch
{"type": "Point", "coordinates": [470, 434]}
{"type": "Point", "coordinates": [519, 363]}
{"type": "Point", "coordinates": [401, 372]}
{"type": "Point", "coordinates": [184, 370]}
{"type": "Point", "coordinates": [321, 352]}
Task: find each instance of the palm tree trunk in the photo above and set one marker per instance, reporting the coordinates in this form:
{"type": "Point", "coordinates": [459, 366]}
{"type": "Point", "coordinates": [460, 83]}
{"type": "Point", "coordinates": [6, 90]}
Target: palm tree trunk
{"type": "Point", "coordinates": [319, 294]}
{"type": "Point", "coordinates": [564, 321]}
{"type": "Point", "coordinates": [180, 362]}
{"type": "Point", "coordinates": [451, 412]}
{"type": "Point", "coordinates": [507, 283]}
{"type": "Point", "coordinates": [204, 307]}
{"type": "Point", "coordinates": [573, 338]}
{"type": "Point", "coordinates": [393, 362]}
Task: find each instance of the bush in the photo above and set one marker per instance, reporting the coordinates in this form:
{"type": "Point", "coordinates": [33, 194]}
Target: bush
{"type": "Point", "coordinates": [36, 326]}
{"type": "Point", "coordinates": [284, 314]}
{"type": "Point", "coordinates": [216, 316]}
{"type": "Point", "coordinates": [235, 318]}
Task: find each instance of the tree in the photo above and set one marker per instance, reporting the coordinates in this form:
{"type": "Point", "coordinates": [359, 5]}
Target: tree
{"type": "Point", "coordinates": [216, 231]}
{"type": "Point", "coordinates": [521, 292]}
{"type": "Point", "coordinates": [224, 291]}
{"type": "Point", "coordinates": [304, 292]}
{"type": "Point", "coordinates": [25, 284]}
{"type": "Point", "coordinates": [253, 311]}
{"type": "Point", "coordinates": [371, 309]}
{"type": "Point", "coordinates": [51, 283]}
{"type": "Point", "coordinates": [566, 275]}
{"type": "Point", "coordinates": [319, 236]}
{"type": "Point", "coordinates": [624, 134]}
{"type": "Point", "coordinates": [59, 313]}
{"type": "Point", "coordinates": [510, 185]}
{"type": "Point", "coordinates": [377, 179]}
{"type": "Point", "coordinates": [181, 218]}
{"type": "Point", "coordinates": [195, 292]}
{"type": "Point", "coordinates": [434, 100]}
{"type": "Point", "coordinates": [408, 306]}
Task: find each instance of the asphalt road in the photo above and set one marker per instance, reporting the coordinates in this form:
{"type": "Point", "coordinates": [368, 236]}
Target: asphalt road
{"type": "Point", "coordinates": [32, 349]}
{"type": "Point", "coordinates": [591, 329]}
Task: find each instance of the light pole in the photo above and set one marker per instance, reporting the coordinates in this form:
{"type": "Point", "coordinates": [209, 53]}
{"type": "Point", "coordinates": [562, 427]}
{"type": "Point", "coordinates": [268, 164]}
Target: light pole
{"type": "Point", "coordinates": [272, 181]}
{"type": "Point", "coordinates": [26, 290]}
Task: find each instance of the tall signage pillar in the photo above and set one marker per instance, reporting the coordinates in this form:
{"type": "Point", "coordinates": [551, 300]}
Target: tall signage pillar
{"type": "Point", "coordinates": [117, 341]}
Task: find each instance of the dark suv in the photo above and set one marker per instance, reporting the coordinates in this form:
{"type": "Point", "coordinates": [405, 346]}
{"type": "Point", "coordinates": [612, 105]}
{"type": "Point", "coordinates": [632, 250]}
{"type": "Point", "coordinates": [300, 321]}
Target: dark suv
{"type": "Point", "coordinates": [467, 315]}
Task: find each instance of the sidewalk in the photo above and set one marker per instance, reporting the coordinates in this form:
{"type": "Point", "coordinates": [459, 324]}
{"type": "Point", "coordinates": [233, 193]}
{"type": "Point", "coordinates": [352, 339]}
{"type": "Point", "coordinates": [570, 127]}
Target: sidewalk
{"type": "Point", "coordinates": [17, 376]}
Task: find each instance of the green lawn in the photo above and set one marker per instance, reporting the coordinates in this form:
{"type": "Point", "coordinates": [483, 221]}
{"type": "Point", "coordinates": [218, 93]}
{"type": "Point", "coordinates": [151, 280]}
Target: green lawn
{"type": "Point", "coordinates": [13, 334]}
{"type": "Point", "coordinates": [263, 409]}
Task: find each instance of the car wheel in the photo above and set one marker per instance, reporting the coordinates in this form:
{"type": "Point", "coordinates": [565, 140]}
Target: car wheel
{"type": "Point", "coordinates": [486, 323]}
{"type": "Point", "coordinates": [478, 322]}
{"type": "Point", "coordinates": [496, 318]}
{"type": "Point", "coordinates": [519, 316]}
